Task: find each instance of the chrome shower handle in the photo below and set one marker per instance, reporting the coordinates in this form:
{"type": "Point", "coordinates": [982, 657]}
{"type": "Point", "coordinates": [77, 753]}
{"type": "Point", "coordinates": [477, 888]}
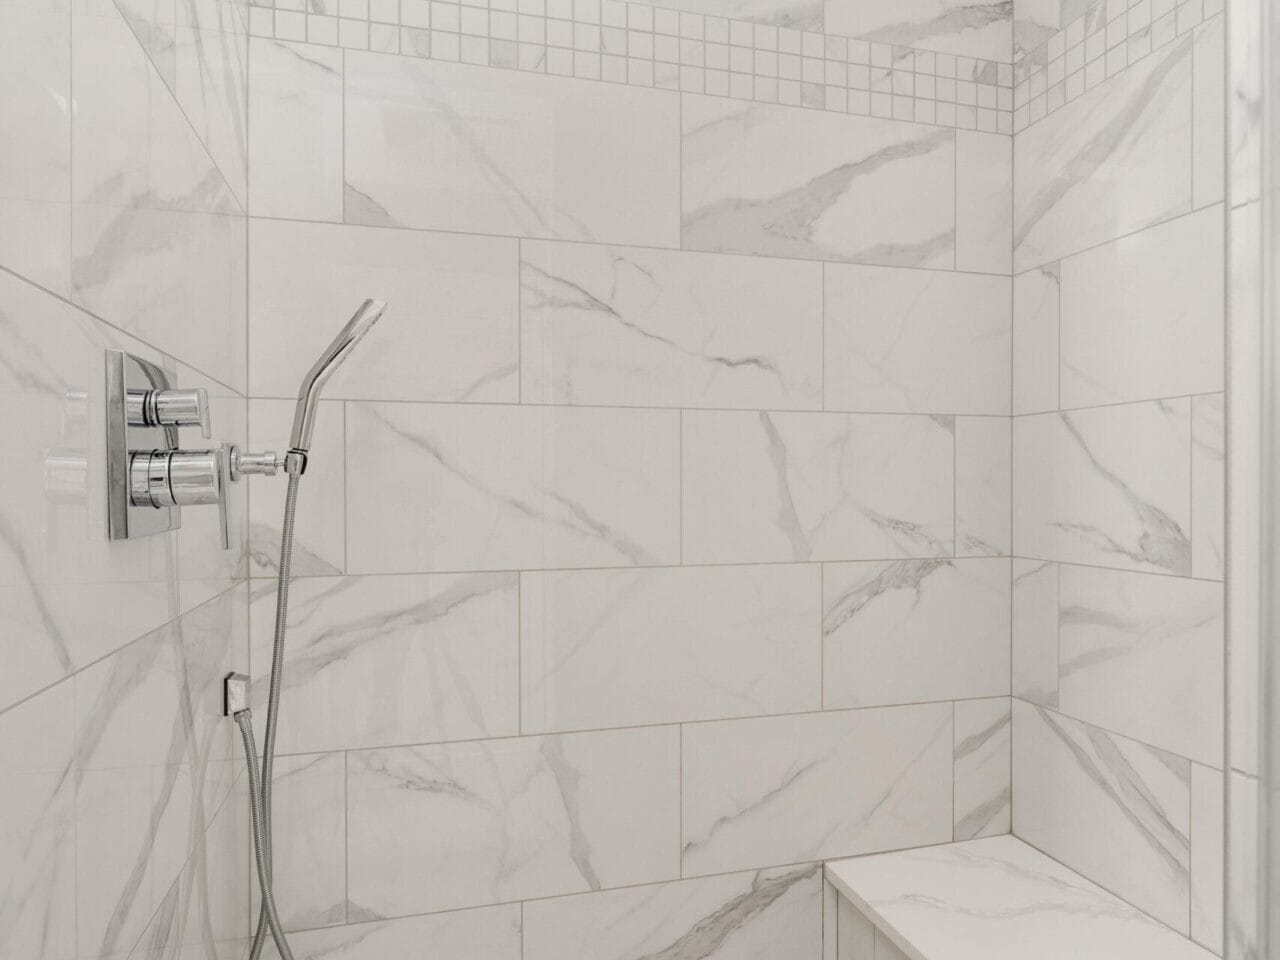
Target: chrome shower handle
{"type": "Point", "coordinates": [170, 408]}
{"type": "Point", "coordinates": [182, 478]}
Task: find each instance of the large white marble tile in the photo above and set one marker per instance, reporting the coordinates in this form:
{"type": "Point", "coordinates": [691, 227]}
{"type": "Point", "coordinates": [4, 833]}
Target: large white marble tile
{"type": "Point", "coordinates": [180, 172]}
{"type": "Point", "coordinates": [1112, 161]}
{"type": "Point", "coordinates": [154, 762]}
{"type": "Point", "coordinates": [205, 913]}
{"type": "Point", "coordinates": [1111, 808]}
{"type": "Point", "coordinates": [383, 660]}
{"type": "Point", "coordinates": [760, 178]}
{"type": "Point", "coordinates": [211, 85]}
{"type": "Point", "coordinates": [768, 913]}
{"type": "Point", "coordinates": [952, 26]}
{"type": "Point", "coordinates": [612, 648]}
{"type": "Point", "coordinates": [1035, 632]}
{"type": "Point", "coordinates": [174, 279]}
{"type": "Point", "coordinates": [38, 826]}
{"type": "Point", "coordinates": [796, 14]}
{"type": "Point", "coordinates": [434, 828]}
{"type": "Point", "coordinates": [983, 785]}
{"type": "Point", "coordinates": [319, 546]}
{"type": "Point", "coordinates": [484, 933]}
{"type": "Point", "coordinates": [308, 841]}
{"type": "Point", "coordinates": [457, 147]}
{"type": "Point", "coordinates": [916, 341]}
{"type": "Point", "coordinates": [1208, 159]}
{"type": "Point", "coordinates": [1109, 486]}
{"type": "Point", "coordinates": [158, 239]}
{"type": "Point", "coordinates": [295, 130]}
{"type": "Point", "coordinates": [1207, 856]}
{"type": "Point", "coordinates": [35, 166]}
{"type": "Point", "coordinates": [450, 331]}
{"type": "Point", "coordinates": [1036, 316]}
{"type": "Point", "coordinates": [866, 780]}
{"type": "Point", "coordinates": [998, 899]}
{"type": "Point", "coordinates": [1142, 655]}
{"type": "Point", "coordinates": [477, 487]}
{"type": "Point", "coordinates": [1142, 317]}
{"type": "Point", "coordinates": [614, 325]}
{"type": "Point", "coordinates": [155, 25]}
{"type": "Point", "coordinates": [983, 486]}
{"type": "Point", "coordinates": [910, 631]}
{"type": "Point", "coordinates": [1208, 486]}
{"type": "Point", "coordinates": [984, 201]}
{"type": "Point", "coordinates": [805, 486]}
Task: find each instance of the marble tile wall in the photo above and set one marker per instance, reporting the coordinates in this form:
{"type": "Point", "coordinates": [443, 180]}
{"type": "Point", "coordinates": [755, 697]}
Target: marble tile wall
{"type": "Point", "coordinates": [122, 226]}
{"type": "Point", "coordinates": [670, 497]}
{"type": "Point", "coordinates": [1118, 467]}
{"type": "Point", "coordinates": [943, 62]}
{"type": "Point", "coordinates": [709, 455]}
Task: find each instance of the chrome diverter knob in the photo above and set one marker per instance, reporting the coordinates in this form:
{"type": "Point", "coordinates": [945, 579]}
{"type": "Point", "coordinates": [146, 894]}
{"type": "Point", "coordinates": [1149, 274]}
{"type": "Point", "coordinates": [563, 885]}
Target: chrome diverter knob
{"type": "Point", "coordinates": [182, 478]}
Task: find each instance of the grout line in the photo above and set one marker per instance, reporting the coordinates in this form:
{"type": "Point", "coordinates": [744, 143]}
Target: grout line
{"type": "Point", "coordinates": [817, 865]}
{"type": "Point", "coordinates": [694, 252]}
{"type": "Point", "coordinates": [682, 722]}
{"type": "Point", "coordinates": [150, 632]}
{"type": "Point", "coordinates": [153, 74]}
{"type": "Point", "coordinates": [81, 309]}
{"type": "Point", "coordinates": [633, 568]}
{"type": "Point", "coordinates": [1113, 893]}
{"type": "Point", "coordinates": [464, 405]}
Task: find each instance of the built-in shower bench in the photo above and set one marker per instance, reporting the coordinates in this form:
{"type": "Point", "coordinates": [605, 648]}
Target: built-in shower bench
{"type": "Point", "coordinates": [992, 899]}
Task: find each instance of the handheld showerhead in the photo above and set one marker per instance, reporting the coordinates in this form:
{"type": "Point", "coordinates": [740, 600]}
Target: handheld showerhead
{"type": "Point", "coordinates": [304, 418]}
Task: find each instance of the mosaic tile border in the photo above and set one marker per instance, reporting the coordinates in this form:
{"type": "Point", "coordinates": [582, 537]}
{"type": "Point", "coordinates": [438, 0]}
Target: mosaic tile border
{"type": "Point", "coordinates": [641, 45]}
{"type": "Point", "coordinates": [1109, 37]}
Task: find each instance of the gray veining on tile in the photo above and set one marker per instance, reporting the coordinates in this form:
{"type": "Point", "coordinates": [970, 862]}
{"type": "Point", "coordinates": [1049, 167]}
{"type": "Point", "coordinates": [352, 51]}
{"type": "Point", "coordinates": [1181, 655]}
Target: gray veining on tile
{"type": "Point", "coordinates": [983, 785]}
{"type": "Point", "coordinates": [869, 780]}
{"type": "Point", "coordinates": [576, 144]}
{"type": "Point", "coordinates": [1127, 139]}
{"type": "Point", "coordinates": [604, 648]}
{"type": "Point", "coordinates": [1035, 632]}
{"type": "Point", "coordinates": [1114, 809]}
{"type": "Point", "coordinates": [773, 912]}
{"type": "Point", "coordinates": [914, 631]}
{"type": "Point", "coordinates": [1143, 655]}
{"type": "Point", "coordinates": [607, 495]}
{"type": "Point", "coordinates": [974, 29]}
{"type": "Point", "coordinates": [619, 325]}
{"type": "Point", "coordinates": [467, 824]}
{"type": "Point", "coordinates": [766, 179]}
{"type": "Point", "coordinates": [382, 660]}
{"type": "Point", "coordinates": [802, 487]}
{"type": "Point", "coordinates": [1109, 485]}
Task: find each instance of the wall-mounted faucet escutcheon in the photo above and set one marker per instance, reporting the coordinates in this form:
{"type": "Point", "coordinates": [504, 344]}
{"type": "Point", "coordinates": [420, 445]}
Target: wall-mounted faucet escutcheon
{"type": "Point", "coordinates": [150, 478]}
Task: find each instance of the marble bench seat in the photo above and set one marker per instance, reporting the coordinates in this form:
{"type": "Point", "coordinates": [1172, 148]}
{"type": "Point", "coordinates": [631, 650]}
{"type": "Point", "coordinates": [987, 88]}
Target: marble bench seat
{"type": "Point", "coordinates": [992, 899]}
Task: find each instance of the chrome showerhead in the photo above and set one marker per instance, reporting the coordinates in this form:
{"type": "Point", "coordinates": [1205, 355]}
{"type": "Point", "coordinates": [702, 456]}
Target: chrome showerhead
{"type": "Point", "coordinates": [304, 418]}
